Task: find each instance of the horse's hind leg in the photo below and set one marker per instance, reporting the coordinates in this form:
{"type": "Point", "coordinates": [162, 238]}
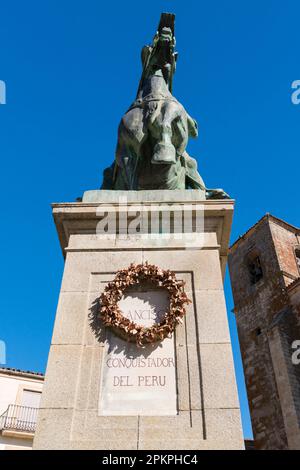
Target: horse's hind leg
{"type": "Point", "coordinates": [130, 138]}
{"type": "Point", "coordinates": [164, 150]}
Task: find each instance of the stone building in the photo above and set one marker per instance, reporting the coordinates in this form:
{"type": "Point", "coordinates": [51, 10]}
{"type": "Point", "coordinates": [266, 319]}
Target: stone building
{"type": "Point", "coordinates": [264, 267]}
{"type": "Point", "coordinates": [20, 394]}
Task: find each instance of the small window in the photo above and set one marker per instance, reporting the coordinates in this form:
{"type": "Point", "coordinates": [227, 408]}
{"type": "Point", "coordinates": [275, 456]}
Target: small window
{"type": "Point", "coordinates": [31, 398]}
{"type": "Point", "coordinates": [255, 270]}
{"type": "Point", "coordinates": [297, 253]}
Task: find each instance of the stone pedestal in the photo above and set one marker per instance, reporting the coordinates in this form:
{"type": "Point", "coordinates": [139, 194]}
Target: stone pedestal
{"type": "Point", "coordinates": [199, 406]}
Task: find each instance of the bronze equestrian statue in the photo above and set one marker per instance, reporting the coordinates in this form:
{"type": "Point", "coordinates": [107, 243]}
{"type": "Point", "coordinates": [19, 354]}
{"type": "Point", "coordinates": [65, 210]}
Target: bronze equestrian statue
{"type": "Point", "coordinates": [154, 132]}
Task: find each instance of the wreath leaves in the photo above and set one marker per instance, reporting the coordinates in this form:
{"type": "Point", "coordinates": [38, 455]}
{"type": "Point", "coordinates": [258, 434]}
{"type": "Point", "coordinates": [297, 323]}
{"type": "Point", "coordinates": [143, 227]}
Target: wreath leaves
{"type": "Point", "coordinates": [111, 314]}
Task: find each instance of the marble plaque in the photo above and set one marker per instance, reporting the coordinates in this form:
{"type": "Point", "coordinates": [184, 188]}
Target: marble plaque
{"type": "Point", "coordinates": [139, 381]}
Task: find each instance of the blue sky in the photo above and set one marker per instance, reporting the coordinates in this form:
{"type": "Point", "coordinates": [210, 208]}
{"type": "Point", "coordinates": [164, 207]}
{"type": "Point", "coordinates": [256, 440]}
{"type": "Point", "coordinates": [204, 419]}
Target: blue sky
{"type": "Point", "coordinates": [71, 69]}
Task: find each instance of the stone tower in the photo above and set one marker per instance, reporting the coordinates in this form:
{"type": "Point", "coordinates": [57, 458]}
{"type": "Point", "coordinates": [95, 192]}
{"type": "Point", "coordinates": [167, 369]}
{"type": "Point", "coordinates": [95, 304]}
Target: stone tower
{"type": "Point", "coordinates": [264, 267]}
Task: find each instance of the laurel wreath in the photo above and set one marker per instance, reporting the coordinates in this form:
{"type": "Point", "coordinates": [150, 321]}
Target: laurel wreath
{"type": "Point", "coordinates": [111, 314]}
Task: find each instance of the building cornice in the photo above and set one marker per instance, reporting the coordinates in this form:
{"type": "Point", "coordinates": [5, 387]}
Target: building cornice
{"type": "Point", "coordinates": [21, 373]}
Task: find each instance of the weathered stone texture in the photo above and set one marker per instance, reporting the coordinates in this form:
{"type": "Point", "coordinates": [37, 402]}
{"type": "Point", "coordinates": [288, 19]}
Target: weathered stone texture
{"type": "Point", "coordinates": [267, 314]}
{"type": "Point", "coordinates": [208, 415]}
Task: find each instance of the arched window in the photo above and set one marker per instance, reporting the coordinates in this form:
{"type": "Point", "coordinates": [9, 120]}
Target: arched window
{"type": "Point", "coordinates": [254, 268]}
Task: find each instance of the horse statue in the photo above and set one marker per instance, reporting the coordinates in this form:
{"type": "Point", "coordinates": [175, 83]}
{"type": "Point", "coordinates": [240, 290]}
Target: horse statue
{"type": "Point", "coordinates": [154, 132]}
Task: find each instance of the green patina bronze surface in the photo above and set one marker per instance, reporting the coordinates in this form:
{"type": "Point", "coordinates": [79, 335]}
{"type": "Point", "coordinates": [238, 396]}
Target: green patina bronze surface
{"type": "Point", "coordinates": [154, 132]}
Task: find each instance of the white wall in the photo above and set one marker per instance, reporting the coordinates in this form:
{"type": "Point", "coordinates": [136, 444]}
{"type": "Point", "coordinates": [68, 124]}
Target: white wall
{"type": "Point", "coordinates": [12, 443]}
{"type": "Point", "coordinates": [11, 389]}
